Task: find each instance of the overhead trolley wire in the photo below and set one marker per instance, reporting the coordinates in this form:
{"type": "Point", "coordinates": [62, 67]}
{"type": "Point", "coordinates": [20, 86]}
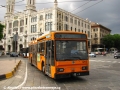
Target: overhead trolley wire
{"type": "Point", "coordinates": [89, 6]}
{"type": "Point", "coordinates": [59, 2]}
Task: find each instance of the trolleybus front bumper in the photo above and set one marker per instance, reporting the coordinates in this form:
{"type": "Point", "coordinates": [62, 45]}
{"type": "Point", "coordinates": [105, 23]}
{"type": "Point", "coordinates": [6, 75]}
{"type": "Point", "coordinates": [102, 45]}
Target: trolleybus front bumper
{"type": "Point", "coordinates": [65, 75]}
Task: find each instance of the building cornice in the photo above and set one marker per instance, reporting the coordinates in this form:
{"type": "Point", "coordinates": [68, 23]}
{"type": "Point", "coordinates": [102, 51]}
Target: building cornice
{"type": "Point", "coordinates": [100, 26]}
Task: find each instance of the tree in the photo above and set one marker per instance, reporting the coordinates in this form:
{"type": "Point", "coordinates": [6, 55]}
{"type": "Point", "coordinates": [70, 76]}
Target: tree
{"type": "Point", "coordinates": [116, 38]}
{"type": "Point", "coordinates": [1, 31]}
{"type": "Point", "coordinates": [112, 41]}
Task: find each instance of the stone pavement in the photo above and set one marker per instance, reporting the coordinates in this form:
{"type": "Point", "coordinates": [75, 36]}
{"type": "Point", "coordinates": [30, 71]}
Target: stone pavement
{"type": "Point", "coordinates": [8, 68]}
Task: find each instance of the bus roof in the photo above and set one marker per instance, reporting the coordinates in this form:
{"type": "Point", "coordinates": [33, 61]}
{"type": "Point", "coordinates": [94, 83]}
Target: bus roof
{"type": "Point", "coordinates": [50, 32]}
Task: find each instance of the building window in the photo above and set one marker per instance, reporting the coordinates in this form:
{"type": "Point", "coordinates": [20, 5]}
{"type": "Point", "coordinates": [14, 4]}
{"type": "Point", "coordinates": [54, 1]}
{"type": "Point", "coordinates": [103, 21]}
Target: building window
{"type": "Point", "coordinates": [48, 16]}
{"type": "Point", "coordinates": [21, 22]}
{"type": "Point", "coordinates": [33, 38]}
{"type": "Point", "coordinates": [34, 19]}
{"type": "Point", "coordinates": [78, 23]}
{"type": "Point", "coordinates": [75, 29]}
{"type": "Point", "coordinates": [40, 29]}
{"type": "Point", "coordinates": [15, 24]}
{"type": "Point", "coordinates": [96, 29]}
{"type": "Point", "coordinates": [41, 17]}
{"type": "Point", "coordinates": [9, 31]}
{"type": "Point", "coordinates": [48, 26]}
{"type": "Point", "coordinates": [95, 35]}
{"type": "Point", "coordinates": [26, 21]}
{"type": "Point", "coordinates": [71, 28]}
{"type": "Point", "coordinates": [60, 26]}
{"type": "Point", "coordinates": [65, 26]}
{"type": "Point", "coordinates": [10, 25]}
{"type": "Point", "coordinates": [33, 28]}
{"type": "Point", "coordinates": [82, 24]}
{"type": "Point", "coordinates": [75, 22]}
{"type": "Point", "coordinates": [78, 30]}
{"type": "Point", "coordinates": [88, 33]}
{"type": "Point", "coordinates": [88, 27]}
{"type": "Point", "coordinates": [82, 31]}
{"type": "Point", "coordinates": [21, 29]}
{"type": "Point", "coordinates": [15, 29]}
{"type": "Point", "coordinates": [71, 20]}
{"type": "Point", "coordinates": [66, 18]}
{"type": "Point", "coordinates": [20, 39]}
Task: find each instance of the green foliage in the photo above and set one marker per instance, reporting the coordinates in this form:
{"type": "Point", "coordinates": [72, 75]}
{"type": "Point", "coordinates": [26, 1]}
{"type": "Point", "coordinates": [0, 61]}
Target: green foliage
{"type": "Point", "coordinates": [112, 41]}
{"type": "Point", "coordinates": [1, 31]}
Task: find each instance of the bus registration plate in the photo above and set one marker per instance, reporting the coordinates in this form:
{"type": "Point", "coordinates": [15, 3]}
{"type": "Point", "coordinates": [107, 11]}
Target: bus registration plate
{"type": "Point", "coordinates": [76, 74]}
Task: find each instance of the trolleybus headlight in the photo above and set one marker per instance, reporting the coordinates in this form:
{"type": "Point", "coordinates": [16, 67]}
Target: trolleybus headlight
{"type": "Point", "coordinates": [84, 68]}
{"type": "Point", "coordinates": [60, 69]}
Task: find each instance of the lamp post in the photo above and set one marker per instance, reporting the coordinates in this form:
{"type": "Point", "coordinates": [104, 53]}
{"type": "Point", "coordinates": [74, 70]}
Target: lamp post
{"type": "Point", "coordinates": [5, 45]}
{"type": "Point", "coordinates": [11, 42]}
{"type": "Point", "coordinates": [15, 38]}
{"type": "Point", "coordinates": [25, 38]}
{"type": "Point", "coordinates": [25, 44]}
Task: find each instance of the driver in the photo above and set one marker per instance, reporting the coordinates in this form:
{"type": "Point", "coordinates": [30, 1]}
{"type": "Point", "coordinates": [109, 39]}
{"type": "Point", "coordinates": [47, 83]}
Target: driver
{"type": "Point", "coordinates": [74, 50]}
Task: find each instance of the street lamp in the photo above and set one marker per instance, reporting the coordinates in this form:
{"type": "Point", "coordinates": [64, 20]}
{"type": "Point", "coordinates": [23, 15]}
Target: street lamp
{"type": "Point", "coordinates": [25, 44]}
{"type": "Point", "coordinates": [11, 42]}
{"type": "Point", "coordinates": [4, 44]}
{"type": "Point", "coordinates": [15, 39]}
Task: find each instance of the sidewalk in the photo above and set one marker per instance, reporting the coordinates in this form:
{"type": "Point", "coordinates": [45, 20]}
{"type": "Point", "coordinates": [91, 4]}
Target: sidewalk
{"type": "Point", "coordinates": [8, 68]}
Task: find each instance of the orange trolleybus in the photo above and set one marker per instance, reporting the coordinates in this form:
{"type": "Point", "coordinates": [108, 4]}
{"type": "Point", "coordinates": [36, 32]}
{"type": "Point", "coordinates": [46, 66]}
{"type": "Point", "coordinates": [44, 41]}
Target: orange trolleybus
{"type": "Point", "coordinates": [60, 54]}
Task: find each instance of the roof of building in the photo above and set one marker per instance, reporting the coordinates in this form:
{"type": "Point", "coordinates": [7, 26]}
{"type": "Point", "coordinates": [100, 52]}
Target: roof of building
{"type": "Point", "coordinates": [99, 25]}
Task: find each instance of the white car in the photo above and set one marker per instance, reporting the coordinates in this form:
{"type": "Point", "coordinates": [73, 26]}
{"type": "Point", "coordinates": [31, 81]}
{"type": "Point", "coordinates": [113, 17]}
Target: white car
{"type": "Point", "coordinates": [92, 54]}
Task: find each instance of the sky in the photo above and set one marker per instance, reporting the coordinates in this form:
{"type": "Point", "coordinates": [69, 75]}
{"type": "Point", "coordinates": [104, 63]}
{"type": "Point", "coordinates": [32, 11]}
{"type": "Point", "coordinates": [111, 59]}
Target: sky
{"type": "Point", "coordinates": [104, 12]}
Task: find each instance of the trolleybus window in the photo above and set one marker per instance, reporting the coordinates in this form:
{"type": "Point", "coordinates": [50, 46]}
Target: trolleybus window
{"type": "Point", "coordinates": [63, 50]}
{"type": "Point", "coordinates": [70, 36]}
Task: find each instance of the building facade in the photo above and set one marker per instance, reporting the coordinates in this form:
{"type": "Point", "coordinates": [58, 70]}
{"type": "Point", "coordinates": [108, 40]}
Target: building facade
{"type": "Point", "coordinates": [98, 31]}
{"type": "Point", "coordinates": [23, 27]}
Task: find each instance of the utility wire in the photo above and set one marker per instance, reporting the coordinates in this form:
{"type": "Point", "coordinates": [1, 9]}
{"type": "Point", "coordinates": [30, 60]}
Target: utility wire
{"type": "Point", "coordinates": [66, 1]}
{"type": "Point", "coordinates": [80, 6]}
{"type": "Point", "coordinates": [59, 2]}
{"type": "Point", "coordinates": [5, 7]}
{"type": "Point", "coordinates": [89, 6]}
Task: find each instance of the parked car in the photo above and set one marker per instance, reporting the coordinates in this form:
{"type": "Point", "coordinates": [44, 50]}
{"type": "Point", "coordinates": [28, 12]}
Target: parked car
{"type": "Point", "coordinates": [13, 54]}
{"type": "Point", "coordinates": [117, 55]}
{"type": "Point", "coordinates": [92, 54]}
{"type": "Point", "coordinates": [8, 53]}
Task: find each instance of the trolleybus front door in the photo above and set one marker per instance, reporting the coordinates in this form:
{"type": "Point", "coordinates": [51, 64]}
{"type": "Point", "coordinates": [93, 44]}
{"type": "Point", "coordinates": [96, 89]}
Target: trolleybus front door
{"type": "Point", "coordinates": [48, 57]}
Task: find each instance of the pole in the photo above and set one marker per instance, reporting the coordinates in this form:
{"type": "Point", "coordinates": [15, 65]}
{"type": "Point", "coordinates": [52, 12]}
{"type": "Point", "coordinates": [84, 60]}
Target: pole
{"type": "Point", "coordinates": [15, 51]}
{"type": "Point", "coordinates": [15, 37]}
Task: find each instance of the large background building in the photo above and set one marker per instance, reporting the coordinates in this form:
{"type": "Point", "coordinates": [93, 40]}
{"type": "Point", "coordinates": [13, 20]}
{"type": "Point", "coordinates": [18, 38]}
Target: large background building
{"type": "Point", "coordinates": [31, 23]}
{"type": "Point", "coordinates": [98, 31]}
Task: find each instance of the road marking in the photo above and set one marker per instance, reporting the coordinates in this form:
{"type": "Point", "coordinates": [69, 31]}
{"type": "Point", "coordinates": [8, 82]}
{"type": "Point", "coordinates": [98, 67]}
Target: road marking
{"type": "Point", "coordinates": [25, 78]}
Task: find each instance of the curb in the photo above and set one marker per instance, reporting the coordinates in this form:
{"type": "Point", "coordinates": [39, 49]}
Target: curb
{"type": "Point", "coordinates": [10, 74]}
